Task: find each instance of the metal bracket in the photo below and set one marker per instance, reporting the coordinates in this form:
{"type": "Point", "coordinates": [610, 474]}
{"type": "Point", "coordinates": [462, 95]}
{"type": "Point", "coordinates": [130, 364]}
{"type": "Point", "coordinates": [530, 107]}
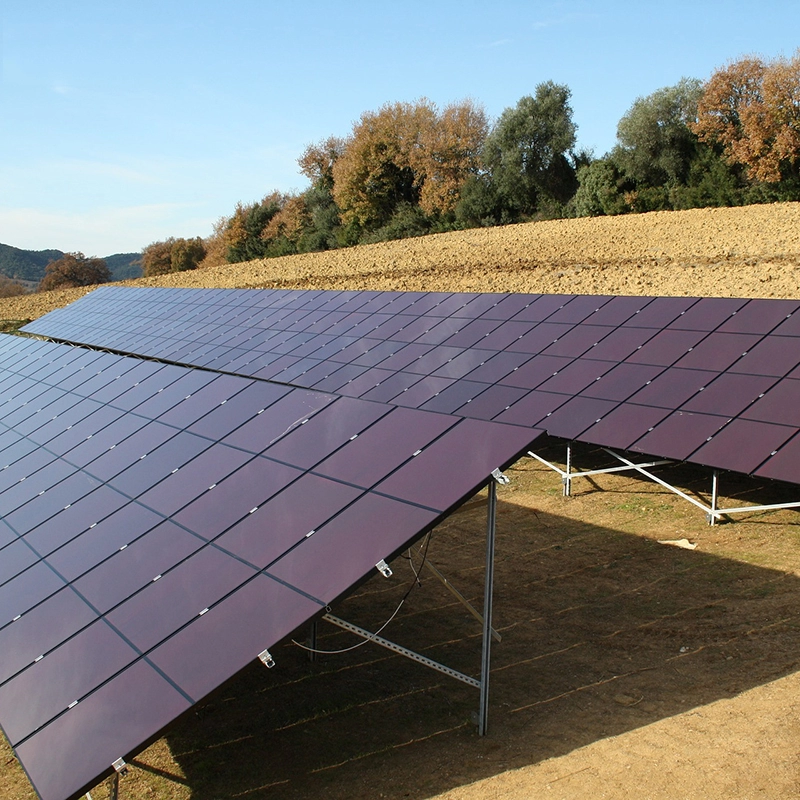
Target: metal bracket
{"type": "Point", "coordinates": [384, 569]}
{"type": "Point", "coordinates": [403, 651]}
{"type": "Point", "coordinates": [266, 659]}
{"type": "Point", "coordinates": [502, 479]}
{"type": "Point", "coordinates": [120, 766]}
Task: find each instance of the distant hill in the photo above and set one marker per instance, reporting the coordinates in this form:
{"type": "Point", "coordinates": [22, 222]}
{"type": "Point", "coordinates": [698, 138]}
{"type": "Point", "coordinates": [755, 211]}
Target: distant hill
{"type": "Point", "coordinates": [29, 265]}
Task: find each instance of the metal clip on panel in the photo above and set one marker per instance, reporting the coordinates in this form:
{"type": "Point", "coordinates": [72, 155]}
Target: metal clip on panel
{"type": "Point", "coordinates": [500, 477]}
{"type": "Point", "coordinates": [266, 659]}
{"type": "Point", "coordinates": [120, 766]}
{"type": "Point", "coordinates": [384, 569]}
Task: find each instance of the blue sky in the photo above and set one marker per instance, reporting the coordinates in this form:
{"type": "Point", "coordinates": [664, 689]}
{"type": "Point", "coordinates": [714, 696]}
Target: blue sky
{"type": "Point", "coordinates": [123, 123]}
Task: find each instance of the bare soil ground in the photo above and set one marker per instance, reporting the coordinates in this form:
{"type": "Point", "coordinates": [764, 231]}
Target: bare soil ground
{"type": "Point", "coordinates": [627, 668]}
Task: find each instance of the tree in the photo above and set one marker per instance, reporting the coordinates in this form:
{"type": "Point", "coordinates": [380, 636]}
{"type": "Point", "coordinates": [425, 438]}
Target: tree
{"type": "Point", "coordinates": [11, 288]}
{"type": "Point", "coordinates": [74, 269]}
{"type": "Point", "coordinates": [751, 108]}
{"type": "Point", "coordinates": [404, 155]}
{"type": "Point", "coordinates": [375, 173]}
{"type": "Point", "coordinates": [656, 145]}
{"type": "Point", "coordinates": [600, 189]}
{"type": "Point", "coordinates": [172, 255]}
{"type": "Point", "coordinates": [526, 153]}
{"type": "Point", "coordinates": [449, 154]}
{"type": "Point", "coordinates": [245, 228]}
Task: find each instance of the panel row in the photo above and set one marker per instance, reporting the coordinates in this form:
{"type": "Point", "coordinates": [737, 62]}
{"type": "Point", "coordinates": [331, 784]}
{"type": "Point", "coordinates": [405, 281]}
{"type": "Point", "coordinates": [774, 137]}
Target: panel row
{"type": "Point", "coordinates": [163, 526]}
{"type": "Point", "coordinates": [682, 378]}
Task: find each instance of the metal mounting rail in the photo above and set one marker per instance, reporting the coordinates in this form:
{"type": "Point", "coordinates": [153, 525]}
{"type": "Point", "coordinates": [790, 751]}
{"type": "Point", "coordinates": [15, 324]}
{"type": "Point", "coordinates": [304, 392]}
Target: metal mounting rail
{"type": "Point", "coordinates": [403, 651]}
{"type": "Point", "coordinates": [713, 512]}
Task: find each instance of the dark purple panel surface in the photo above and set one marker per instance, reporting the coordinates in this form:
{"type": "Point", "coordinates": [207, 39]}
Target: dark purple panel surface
{"type": "Point", "coordinates": [535, 371]}
{"type": "Point", "coordinates": [238, 495]}
{"type": "Point", "coordinates": [780, 404]}
{"type": "Point", "coordinates": [533, 408]}
{"type": "Point", "coordinates": [760, 316]}
{"type": "Point", "coordinates": [325, 432]}
{"type": "Point", "coordinates": [730, 394]}
{"type": "Point", "coordinates": [389, 443]}
{"type": "Point", "coordinates": [365, 533]}
{"type": "Point", "coordinates": [232, 634]}
{"type": "Point", "coordinates": [783, 465]}
{"type": "Point", "coordinates": [286, 519]}
{"type": "Point", "coordinates": [67, 757]}
{"type": "Point", "coordinates": [775, 356]}
{"type": "Point", "coordinates": [707, 314]}
{"type": "Point", "coordinates": [68, 673]}
{"type": "Point", "coordinates": [673, 387]}
{"type": "Point", "coordinates": [434, 480]}
{"type": "Point", "coordinates": [183, 486]}
{"type": "Point", "coordinates": [665, 348]}
{"type": "Point", "coordinates": [679, 434]}
{"type": "Point", "coordinates": [575, 416]}
{"type": "Point", "coordinates": [660, 312]}
{"type": "Point", "coordinates": [622, 381]}
{"type": "Point", "coordinates": [623, 425]}
{"type": "Point", "coordinates": [718, 351]}
{"type": "Point", "coordinates": [136, 565]}
{"type": "Point", "coordinates": [743, 445]}
{"type": "Point", "coordinates": [576, 376]}
{"type": "Point", "coordinates": [495, 400]}
{"type": "Point", "coordinates": [41, 629]}
{"type": "Point", "coordinates": [181, 594]}
{"type": "Point", "coordinates": [283, 416]}
{"type": "Point", "coordinates": [102, 540]}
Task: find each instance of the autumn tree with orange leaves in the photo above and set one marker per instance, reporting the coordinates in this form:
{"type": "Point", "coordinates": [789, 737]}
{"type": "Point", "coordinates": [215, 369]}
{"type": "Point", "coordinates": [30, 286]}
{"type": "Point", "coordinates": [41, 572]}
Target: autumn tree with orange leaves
{"type": "Point", "coordinates": [751, 108]}
{"type": "Point", "coordinates": [407, 153]}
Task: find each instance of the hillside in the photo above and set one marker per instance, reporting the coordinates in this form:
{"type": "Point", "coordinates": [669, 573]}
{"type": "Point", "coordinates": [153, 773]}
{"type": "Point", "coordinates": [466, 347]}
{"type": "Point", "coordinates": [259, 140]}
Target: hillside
{"type": "Point", "coordinates": [753, 251]}
{"type": "Point", "coordinates": [29, 265]}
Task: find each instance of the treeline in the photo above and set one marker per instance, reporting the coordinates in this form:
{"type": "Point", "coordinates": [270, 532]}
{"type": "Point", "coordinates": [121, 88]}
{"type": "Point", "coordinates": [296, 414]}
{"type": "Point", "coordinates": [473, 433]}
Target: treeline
{"type": "Point", "coordinates": [412, 168]}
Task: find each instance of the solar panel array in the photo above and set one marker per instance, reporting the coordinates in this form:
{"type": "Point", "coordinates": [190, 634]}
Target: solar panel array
{"type": "Point", "coordinates": [164, 525]}
{"type": "Point", "coordinates": [714, 381]}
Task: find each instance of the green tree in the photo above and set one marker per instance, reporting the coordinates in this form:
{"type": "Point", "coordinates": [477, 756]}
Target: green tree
{"type": "Point", "coordinates": [656, 145]}
{"type": "Point", "coordinates": [601, 189]}
{"type": "Point", "coordinates": [74, 269]}
{"type": "Point", "coordinates": [527, 153]}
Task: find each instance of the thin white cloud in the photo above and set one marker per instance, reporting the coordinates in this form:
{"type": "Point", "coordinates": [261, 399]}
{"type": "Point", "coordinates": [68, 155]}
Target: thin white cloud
{"type": "Point", "coordinates": [102, 232]}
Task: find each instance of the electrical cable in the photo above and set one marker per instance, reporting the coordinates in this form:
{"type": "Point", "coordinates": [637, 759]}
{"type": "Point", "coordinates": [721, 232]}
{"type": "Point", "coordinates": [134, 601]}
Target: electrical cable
{"type": "Point", "coordinates": [415, 582]}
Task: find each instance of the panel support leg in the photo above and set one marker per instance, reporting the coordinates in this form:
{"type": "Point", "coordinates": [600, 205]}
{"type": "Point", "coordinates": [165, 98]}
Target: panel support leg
{"type": "Point", "coordinates": [313, 656]}
{"type": "Point", "coordinates": [712, 517]}
{"type": "Point", "coordinates": [483, 714]}
{"type": "Point", "coordinates": [568, 472]}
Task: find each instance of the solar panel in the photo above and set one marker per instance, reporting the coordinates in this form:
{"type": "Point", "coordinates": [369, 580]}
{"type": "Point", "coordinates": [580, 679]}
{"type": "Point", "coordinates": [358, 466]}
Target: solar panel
{"type": "Point", "coordinates": [167, 536]}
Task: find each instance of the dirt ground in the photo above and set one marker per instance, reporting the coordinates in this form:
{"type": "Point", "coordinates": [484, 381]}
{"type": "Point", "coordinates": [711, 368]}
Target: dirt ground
{"type": "Point", "coordinates": [627, 668]}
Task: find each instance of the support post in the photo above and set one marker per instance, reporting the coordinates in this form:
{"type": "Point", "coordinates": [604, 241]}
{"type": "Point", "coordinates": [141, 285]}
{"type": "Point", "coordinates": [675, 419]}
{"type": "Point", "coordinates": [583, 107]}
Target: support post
{"type": "Point", "coordinates": [712, 517]}
{"type": "Point", "coordinates": [567, 475]}
{"type": "Point", "coordinates": [488, 587]}
{"type": "Point", "coordinates": [313, 656]}
{"type": "Point", "coordinates": [113, 790]}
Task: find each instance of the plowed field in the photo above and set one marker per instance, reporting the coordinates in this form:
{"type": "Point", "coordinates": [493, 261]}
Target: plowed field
{"type": "Point", "coordinates": [627, 668]}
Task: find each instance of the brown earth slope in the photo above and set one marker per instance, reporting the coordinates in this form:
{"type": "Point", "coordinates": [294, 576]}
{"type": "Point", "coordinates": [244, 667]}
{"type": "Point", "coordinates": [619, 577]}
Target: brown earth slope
{"type": "Point", "coordinates": [627, 669]}
{"type": "Point", "coordinates": [734, 252]}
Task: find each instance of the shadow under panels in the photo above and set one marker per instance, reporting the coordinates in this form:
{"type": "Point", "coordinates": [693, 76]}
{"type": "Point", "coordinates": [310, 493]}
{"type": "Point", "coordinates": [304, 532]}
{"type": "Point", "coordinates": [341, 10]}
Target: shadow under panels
{"type": "Point", "coordinates": [163, 526]}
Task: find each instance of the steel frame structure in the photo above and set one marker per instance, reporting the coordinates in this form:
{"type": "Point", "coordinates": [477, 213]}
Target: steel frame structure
{"type": "Point", "coordinates": [712, 512]}
{"type": "Point", "coordinates": [485, 619]}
